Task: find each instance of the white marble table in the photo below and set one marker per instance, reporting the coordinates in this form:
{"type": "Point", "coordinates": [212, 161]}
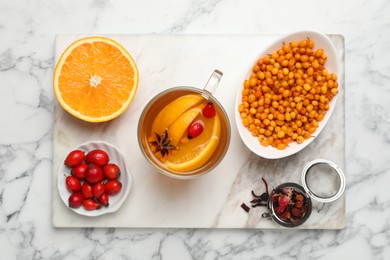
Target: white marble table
{"type": "Point", "coordinates": [27, 31]}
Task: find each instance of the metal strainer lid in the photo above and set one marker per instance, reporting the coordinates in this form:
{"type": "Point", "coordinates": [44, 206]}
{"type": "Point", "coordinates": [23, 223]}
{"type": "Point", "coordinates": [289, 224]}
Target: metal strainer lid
{"type": "Point", "coordinates": [323, 180]}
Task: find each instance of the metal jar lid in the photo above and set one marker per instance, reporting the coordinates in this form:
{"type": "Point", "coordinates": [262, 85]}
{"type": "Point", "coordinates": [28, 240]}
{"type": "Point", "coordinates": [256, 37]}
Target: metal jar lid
{"type": "Point", "coordinates": [335, 168]}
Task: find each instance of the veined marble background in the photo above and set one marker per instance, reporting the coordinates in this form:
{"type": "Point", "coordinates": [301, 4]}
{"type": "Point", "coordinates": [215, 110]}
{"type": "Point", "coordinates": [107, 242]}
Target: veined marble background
{"type": "Point", "coordinates": [27, 31]}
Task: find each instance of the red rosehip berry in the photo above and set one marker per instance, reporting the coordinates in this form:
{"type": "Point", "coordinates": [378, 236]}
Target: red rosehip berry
{"type": "Point", "coordinates": [209, 110]}
{"type": "Point", "coordinates": [195, 129]}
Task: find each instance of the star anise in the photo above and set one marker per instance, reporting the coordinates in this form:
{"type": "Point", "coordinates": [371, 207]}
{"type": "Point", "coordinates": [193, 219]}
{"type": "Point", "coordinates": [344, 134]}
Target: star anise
{"type": "Point", "coordinates": [163, 144]}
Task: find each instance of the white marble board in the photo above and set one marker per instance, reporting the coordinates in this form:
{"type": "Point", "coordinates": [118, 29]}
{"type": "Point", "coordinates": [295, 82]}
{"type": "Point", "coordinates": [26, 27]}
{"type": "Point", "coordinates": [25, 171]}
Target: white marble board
{"type": "Point", "coordinates": [213, 200]}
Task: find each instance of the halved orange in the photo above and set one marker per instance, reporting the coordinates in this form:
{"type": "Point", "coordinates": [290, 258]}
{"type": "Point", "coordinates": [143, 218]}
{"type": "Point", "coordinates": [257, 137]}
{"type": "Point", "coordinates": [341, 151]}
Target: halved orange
{"type": "Point", "coordinates": [95, 79]}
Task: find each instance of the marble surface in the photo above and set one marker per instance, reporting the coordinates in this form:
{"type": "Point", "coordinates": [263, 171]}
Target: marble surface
{"type": "Point", "coordinates": [213, 200]}
{"type": "Point", "coordinates": [27, 31]}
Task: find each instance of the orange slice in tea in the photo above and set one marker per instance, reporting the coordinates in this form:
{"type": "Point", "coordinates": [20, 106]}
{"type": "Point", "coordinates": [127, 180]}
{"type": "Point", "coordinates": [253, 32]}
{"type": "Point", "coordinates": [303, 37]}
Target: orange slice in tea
{"type": "Point", "coordinates": [196, 152]}
{"type": "Point", "coordinates": [171, 126]}
{"type": "Point", "coordinates": [179, 128]}
{"type": "Point", "coordinates": [173, 111]}
{"type": "Point", "coordinates": [95, 79]}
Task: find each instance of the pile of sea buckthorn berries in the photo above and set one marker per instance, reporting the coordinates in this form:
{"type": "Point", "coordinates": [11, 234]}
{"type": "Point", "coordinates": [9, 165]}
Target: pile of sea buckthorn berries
{"type": "Point", "coordinates": [287, 94]}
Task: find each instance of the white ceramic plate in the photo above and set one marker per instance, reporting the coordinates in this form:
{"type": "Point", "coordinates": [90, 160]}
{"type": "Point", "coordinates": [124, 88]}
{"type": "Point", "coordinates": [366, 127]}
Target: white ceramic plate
{"type": "Point", "coordinates": [115, 201]}
{"type": "Point", "coordinates": [321, 41]}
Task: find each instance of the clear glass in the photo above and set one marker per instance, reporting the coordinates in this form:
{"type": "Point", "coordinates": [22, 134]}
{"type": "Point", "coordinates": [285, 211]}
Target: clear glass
{"type": "Point", "coordinates": [152, 109]}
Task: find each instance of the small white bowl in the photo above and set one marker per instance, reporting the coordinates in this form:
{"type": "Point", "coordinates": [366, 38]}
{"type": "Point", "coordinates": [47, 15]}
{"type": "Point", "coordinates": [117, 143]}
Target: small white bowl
{"type": "Point", "coordinates": [115, 201]}
{"type": "Point", "coordinates": [321, 41]}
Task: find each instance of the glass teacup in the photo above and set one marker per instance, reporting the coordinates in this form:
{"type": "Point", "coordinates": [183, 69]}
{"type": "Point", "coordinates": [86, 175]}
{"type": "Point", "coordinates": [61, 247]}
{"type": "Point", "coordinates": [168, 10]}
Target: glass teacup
{"type": "Point", "coordinates": [167, 147]}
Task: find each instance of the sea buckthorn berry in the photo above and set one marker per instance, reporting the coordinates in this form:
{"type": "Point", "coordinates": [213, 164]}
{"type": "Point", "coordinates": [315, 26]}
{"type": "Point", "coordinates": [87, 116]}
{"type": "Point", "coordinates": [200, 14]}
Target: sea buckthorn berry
{"type": "Point", "coordinates": [287, 94]}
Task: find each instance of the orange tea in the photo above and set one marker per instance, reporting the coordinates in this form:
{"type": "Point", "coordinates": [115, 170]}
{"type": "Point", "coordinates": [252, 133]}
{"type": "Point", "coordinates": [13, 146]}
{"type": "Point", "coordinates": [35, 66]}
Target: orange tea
{"type": "Point", "coordinates": [184, 132]}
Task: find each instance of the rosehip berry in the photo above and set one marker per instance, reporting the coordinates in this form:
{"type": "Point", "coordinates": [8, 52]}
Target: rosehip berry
{"type": "Point", "coordinates": [104, 199]}
{"type": "Point", "coordinates": [98, 157]}
{"type": "Point", "coordinates": [113, 187]}
{"type": "Point", "coordinates": [90, 204]}
{"type": "Point", "coordinates": [195, 129]}
{"type": "Point", "coordinates": [73, 184]}
{"type": "Point", "coordinates": [86, 190]}
{"type": "Point", "coordinates": [111, 171]}
{"type": "Point", "coordinates": [209, 110]}
{"type": "Point", "coordinates": [74, 158]}
{"type": "Point", "coordinates": [75, 200]}
{"type": "Point", "coordinates": [79, 171]}
{"type": "Point", "coordinates": [94, 174]}
{"type": "Point", "coordinates": [296, 212]}
{"type": "Point", "coordinates": [98, 190]}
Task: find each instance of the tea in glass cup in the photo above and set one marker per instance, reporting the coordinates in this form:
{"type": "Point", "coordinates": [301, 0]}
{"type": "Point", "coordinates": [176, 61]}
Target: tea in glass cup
{"type": "Point", "coordinates": [184, 131]}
